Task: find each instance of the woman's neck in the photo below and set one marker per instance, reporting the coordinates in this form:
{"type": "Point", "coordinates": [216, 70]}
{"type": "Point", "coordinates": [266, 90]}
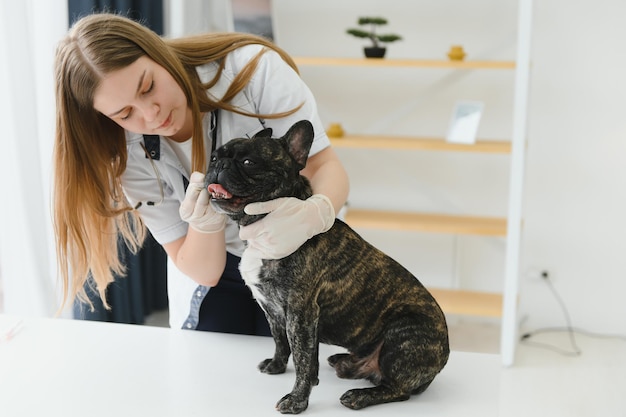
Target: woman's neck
{"type": "Point", "coordinates": [186, 131]}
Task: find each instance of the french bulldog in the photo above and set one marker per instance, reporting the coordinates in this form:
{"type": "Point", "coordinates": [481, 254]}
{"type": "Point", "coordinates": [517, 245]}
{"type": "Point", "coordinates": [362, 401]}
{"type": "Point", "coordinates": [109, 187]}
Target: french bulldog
{"type": "Point", "coordinates": [336, 288]}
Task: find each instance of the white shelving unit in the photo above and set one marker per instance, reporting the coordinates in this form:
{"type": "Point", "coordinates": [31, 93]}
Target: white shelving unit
{"type": "Point", "coordinates": [461, 302]}
{"type": "Point", "coordinates": [509, 338]}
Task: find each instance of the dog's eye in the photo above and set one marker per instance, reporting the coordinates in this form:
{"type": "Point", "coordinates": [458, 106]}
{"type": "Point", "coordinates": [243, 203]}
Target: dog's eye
{"type": "Point", "coordinates": [248, 162]}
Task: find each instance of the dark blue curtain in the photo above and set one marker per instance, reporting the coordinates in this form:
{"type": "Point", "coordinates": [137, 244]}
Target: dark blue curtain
{"type": "Point", "coordinates": [148, 12]}
{"type": "Point", "coordinates": [144, 288]}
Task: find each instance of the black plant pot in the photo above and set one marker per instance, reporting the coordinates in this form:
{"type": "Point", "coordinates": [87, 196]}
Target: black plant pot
{"type": "Point", "coordinates": [374, 52]}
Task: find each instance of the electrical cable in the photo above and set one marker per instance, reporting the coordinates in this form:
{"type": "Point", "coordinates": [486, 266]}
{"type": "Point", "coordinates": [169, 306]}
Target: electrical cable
{"type": "Point", "coordinates": [569, 328]}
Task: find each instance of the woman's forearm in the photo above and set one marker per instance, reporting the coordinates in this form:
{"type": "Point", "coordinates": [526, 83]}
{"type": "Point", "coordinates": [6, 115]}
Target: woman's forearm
{"type": "Point", "coordinates": [328, 177]}
{"type": "Point", "coordinates": [200, 256]}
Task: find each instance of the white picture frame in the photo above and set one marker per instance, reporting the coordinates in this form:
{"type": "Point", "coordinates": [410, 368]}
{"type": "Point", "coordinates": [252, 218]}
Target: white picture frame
{"type": "Point", "coordinates": [464, 121]}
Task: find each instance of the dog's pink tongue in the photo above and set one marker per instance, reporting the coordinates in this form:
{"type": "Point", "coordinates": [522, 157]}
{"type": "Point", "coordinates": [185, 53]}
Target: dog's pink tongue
{"type": "Point", "coordinates": [217, 191]}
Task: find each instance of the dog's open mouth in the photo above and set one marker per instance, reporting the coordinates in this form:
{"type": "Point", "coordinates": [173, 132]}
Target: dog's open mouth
{"type": "Point", "coordinates": [218, 192]}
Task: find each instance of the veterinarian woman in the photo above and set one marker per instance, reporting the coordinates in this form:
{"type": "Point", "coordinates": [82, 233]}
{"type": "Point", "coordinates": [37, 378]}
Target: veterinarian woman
{"type": "Point", "coordinates": [137, 117]}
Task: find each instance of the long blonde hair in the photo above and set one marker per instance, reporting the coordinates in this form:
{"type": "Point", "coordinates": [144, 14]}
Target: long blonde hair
{"type": "Point", "coordinates": [91, 213]}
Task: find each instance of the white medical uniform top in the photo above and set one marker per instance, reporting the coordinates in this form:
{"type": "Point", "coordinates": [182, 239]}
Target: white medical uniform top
{"type": "Point", "coordinates": [275, 87]}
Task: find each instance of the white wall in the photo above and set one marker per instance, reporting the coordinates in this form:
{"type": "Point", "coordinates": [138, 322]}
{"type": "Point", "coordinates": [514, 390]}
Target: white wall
{"type": "Point", "coordinates": [575, 187]}
{"type": "Point", "coordinates": [575, 183]}
{"type": "Point", "coordinates": [30, 30]}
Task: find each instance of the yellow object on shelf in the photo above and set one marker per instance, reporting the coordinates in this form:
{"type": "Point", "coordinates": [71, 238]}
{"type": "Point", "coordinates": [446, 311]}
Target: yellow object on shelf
{"type": "Point", "coordinates": [456, 53]}
{"type": "Point", "coordinates": [335, 130]}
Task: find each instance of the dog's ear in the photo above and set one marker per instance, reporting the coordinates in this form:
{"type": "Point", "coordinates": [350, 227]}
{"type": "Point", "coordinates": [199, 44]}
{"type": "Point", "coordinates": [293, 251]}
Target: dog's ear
{"type": "Point", "coordinates": [299, 139]}
{"type": "Point", "coordinates": [265, 133]}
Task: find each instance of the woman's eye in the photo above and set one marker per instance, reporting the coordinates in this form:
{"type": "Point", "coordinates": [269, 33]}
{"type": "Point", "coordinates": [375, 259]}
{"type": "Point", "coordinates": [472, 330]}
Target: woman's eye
{"type": "Point", "coordinates": [150, 87]}
{"type": "Point", "coordinates": [127, 116]}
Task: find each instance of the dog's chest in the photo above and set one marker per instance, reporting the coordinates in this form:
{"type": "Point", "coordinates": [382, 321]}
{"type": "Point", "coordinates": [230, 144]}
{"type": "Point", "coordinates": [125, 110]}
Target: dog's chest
{"type": "Point", "coordinates": [263, 284]}
{"type": "Point", "coordinates": [250, 268]}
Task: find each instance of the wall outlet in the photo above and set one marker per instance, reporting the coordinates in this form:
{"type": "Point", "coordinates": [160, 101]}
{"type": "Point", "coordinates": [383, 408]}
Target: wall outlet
{"type": "Point", "coordinates": [537, 274]}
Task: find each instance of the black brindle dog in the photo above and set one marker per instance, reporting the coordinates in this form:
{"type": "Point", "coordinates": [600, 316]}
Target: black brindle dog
{"type": "Point", "coordinates": [335, 289]}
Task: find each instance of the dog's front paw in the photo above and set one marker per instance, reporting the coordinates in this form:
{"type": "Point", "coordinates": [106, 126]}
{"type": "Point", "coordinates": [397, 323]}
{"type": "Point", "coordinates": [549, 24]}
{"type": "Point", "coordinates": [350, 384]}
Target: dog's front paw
{"type": "Point", "coordinates": [290, 404]}
{"type": "Point", "coordinates": [272, 367]}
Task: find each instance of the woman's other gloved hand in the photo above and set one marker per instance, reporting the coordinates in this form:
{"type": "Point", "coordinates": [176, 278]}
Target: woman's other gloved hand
{"type": "Point", "coordinates": [289, 223]}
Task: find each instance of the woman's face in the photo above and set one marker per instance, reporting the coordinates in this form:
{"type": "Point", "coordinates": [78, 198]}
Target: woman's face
{"type": "Point", "coordinates": [144, 98]}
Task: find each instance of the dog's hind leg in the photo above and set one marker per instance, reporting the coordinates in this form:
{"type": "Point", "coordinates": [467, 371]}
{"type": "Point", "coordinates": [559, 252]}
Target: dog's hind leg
{"type": "Point", "coordinates": [409, 360]}
{"type": "Point", "coordinates": [364, 397]}
{"type": "Point", "coordinates": [385, 392]}
{"type": "Point", "coordinates": [346, 366]}
{"type": "Point", "coordinates": [351, 366]}
{"type": "Point", "coordinates": [361, 398]}
{"type": "Point", "coordinates": [338, 360]}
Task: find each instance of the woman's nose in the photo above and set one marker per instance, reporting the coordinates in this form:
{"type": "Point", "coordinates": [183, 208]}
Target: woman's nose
{"type": "Point", "coordinates": [150, 112]}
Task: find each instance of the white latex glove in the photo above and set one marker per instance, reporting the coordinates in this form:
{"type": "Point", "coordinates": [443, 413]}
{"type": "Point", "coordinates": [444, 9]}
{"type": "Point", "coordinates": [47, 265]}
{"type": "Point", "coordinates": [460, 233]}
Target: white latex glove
{"type": "Point", "coordinates": [289, 223]}
{"type": "Point", "coordinates": [196, 209]}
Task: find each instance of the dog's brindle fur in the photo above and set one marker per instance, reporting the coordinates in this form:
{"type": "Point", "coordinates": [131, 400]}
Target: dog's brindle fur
{"type": "Point", "coordinates": [335, 289]}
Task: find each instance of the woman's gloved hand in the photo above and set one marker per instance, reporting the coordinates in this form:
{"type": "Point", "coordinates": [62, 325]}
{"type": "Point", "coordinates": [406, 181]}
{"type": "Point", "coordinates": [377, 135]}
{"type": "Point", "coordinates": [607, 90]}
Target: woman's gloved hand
{"type": "Point", "coordinates": [196, 208]}
{"type": "Point", "coordinates": [289, 223]}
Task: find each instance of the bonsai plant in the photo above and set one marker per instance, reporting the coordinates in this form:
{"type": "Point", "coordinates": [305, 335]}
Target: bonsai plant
{"type": "Point", "coordinates": [376, 50]}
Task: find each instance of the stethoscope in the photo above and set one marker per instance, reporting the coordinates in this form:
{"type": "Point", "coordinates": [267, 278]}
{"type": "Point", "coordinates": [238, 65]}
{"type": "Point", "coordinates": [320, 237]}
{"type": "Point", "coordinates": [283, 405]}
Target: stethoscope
{"type": "Point", "coordinates": [154, 153]}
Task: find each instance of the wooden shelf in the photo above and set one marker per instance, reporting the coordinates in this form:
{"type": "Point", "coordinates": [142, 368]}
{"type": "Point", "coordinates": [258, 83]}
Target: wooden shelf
{"type": "Point", "coordinates": [411, 143]}
{"type": "Point", "coordinates": [455, 301]}
{"type": "Point", "coordinates": [468, 303]}
{"type": "Point", "coordinates": [415, 63]}
{"type": "Point", "coordinates": [434, 223]}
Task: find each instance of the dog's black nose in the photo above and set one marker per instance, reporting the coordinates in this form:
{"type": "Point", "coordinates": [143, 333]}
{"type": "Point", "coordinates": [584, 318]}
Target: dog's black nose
{"type": "Point", "coordinates": [221, 168]}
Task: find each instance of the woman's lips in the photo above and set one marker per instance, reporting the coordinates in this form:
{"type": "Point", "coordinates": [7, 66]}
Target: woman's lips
{"type": "Point", "coordinates": [166, 123]}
